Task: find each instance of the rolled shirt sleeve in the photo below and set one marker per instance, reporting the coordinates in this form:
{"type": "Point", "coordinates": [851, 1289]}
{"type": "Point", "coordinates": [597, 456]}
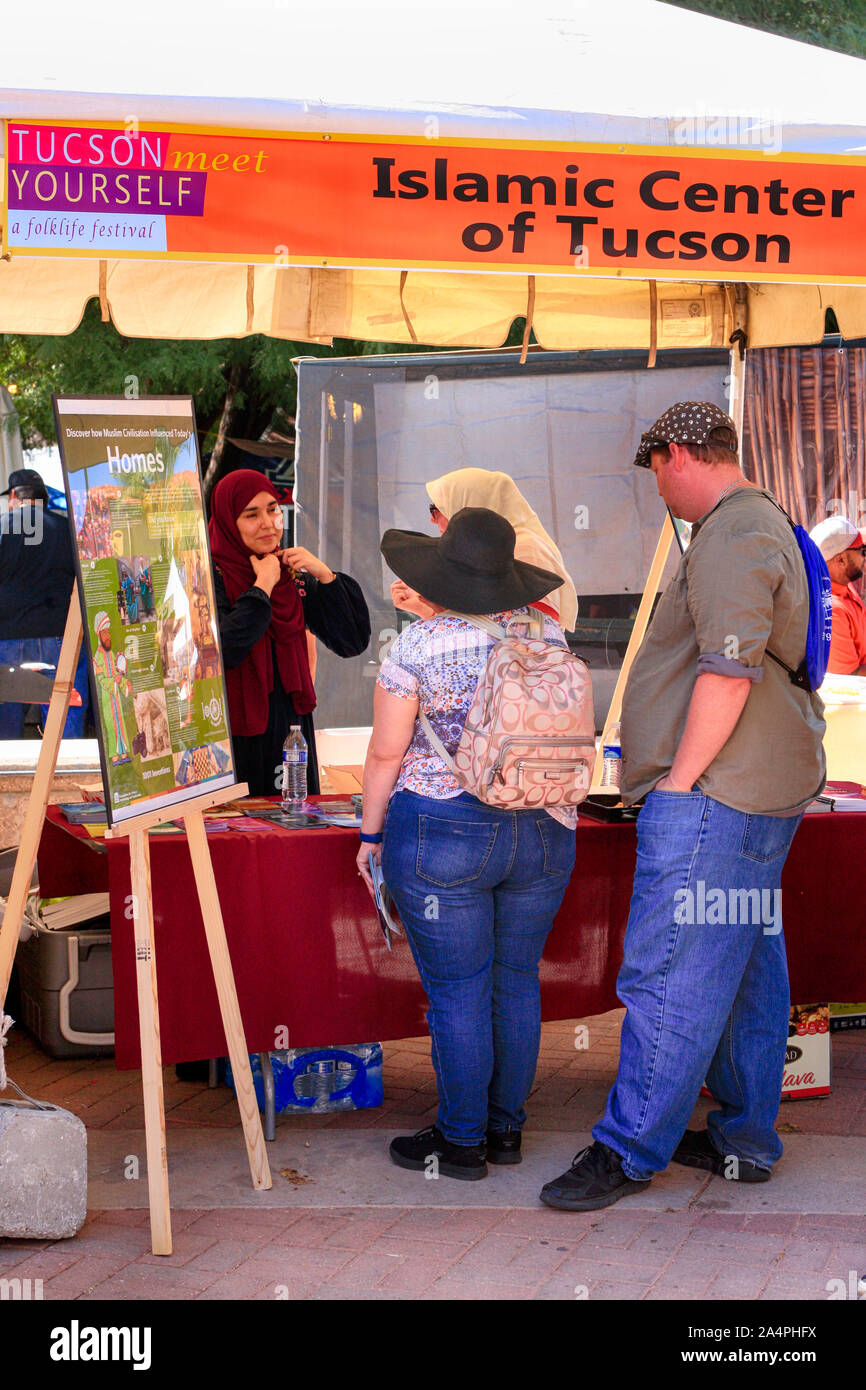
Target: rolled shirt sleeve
{"type": "Point", "coordinates": [732, 580]}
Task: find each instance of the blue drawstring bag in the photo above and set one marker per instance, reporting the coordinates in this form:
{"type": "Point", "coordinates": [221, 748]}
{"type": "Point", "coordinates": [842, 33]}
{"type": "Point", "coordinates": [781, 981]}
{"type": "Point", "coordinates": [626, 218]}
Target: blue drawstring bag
{"type": "Point", "coordinates": [813, 668]}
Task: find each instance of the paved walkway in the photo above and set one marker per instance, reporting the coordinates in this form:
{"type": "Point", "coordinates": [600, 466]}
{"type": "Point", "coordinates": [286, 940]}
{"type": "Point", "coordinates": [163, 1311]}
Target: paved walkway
{"type": "Point", "coordinates": [341, 1221]}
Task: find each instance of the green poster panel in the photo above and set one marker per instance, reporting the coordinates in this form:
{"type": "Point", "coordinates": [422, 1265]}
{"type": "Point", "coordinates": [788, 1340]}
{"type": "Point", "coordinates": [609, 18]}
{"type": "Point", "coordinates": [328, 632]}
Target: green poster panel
{"type": "Point", "coordinates": [136, 510]}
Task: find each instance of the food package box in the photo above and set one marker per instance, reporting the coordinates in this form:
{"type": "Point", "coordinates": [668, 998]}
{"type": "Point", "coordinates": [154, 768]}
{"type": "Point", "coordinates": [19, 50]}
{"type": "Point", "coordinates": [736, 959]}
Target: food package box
{"type": "Point", "coordinates": [807, 1059]}
{"type": "Point", "coordinates": [844, 1016]}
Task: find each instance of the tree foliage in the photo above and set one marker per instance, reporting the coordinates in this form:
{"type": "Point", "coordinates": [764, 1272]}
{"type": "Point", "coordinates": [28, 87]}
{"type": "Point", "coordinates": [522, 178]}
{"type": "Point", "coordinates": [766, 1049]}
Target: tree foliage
{"type": "Point", "coordinates": [97, 360]}
{"type": "Point", "coordinates": [836, 24]}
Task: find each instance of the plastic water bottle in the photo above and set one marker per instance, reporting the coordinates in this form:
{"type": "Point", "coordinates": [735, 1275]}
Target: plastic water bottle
{"type": "Point", "coordinates": [294, 793]}
{"type": "Point", "coordinates": [612, 758]}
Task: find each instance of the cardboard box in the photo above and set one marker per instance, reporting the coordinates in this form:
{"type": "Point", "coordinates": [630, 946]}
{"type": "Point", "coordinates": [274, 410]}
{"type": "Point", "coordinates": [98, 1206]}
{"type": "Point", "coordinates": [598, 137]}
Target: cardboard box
{"type": "Point", "coordinates": [807, 1058]}
{"type": "Point", "coordinates": [343, 780]}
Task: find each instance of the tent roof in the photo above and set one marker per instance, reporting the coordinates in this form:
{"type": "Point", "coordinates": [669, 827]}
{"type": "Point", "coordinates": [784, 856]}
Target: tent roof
{"type": "Point", "coordinates": [552, 69]}
{"type": "Point", "coordinates": [630, 71]}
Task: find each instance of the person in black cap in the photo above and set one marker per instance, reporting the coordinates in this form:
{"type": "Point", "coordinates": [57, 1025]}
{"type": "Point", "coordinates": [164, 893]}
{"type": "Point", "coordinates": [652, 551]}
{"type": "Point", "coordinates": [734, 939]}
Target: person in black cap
{"type": "Point", "coordinates": [725, 752]}
{"type": "Point", "coordinates": [37, 574]}
{"type": "Point", "coordinates": [477, 886]}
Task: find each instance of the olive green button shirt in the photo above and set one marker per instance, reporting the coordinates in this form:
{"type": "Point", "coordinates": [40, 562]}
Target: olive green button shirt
{"type": "Point", "coordinates": [740, 589]}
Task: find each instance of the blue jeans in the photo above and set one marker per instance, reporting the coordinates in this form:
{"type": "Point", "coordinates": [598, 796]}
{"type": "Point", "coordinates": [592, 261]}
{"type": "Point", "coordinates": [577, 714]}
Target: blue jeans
{"type": "Point", "coordinates": [704, 982]}
{"type": "Point", "coordinates": [14, 650]}
{"type": "Point", "coordinates": [477, 889]}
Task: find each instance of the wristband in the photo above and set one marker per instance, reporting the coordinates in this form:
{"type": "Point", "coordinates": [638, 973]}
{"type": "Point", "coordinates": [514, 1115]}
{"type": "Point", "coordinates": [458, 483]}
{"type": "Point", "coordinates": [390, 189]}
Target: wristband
{"type": "Point", "coordinates": [371, 839]}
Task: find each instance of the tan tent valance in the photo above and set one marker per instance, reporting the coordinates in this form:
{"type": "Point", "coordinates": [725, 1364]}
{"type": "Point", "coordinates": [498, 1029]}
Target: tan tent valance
{"type": "Point", "coordinates": [181, 300]}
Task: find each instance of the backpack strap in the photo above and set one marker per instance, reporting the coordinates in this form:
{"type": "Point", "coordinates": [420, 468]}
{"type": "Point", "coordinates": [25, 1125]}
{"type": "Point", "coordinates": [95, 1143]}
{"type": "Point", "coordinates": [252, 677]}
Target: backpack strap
{"type": "Point", "coordinates": [434, 740]}
{"type": "Point", "coordinates": [800, 676]}
{"type": "Point", "coordinates": [534, 619]}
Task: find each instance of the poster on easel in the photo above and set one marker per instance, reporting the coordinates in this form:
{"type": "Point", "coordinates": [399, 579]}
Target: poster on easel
{"type": "Point", "coordinates": [137, 515]}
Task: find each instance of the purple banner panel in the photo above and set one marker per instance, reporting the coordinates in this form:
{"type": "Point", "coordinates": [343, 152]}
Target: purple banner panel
{"type": "Point", "coordinates": [58, 188]}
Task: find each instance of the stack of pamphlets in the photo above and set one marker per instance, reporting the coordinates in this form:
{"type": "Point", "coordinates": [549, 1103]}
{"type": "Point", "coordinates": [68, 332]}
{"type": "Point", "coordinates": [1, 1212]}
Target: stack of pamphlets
{"type": "Point", "coordinates": [340, 813]}
{"type": "Point", "coordinates": [83, 812]}
{"type": "Point", "coordinates": [840, 796]}
{"type": "Point", "coordinates": [56, 913]}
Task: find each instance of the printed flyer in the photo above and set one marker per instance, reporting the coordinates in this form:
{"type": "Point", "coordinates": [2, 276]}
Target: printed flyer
{"type": "Point", "coordinates": [138, 522]}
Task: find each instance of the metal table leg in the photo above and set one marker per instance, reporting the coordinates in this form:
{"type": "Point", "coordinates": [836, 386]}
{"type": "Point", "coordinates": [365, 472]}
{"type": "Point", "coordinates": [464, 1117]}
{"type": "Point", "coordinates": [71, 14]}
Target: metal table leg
{"type": "Point", "coordinates": [270, 1102]}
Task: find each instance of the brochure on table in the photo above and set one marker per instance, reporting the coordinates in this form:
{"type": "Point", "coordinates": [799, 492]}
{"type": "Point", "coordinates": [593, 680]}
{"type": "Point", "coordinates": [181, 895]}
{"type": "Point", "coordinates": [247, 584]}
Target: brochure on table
{"type": "Point", "coordinates": [136, 511]}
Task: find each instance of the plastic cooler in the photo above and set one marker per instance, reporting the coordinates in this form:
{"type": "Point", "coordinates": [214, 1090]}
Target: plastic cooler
{"type": "Point", "coordinates": [67, 989]}
{"type": "Point", "coordinates": [318, 1080]}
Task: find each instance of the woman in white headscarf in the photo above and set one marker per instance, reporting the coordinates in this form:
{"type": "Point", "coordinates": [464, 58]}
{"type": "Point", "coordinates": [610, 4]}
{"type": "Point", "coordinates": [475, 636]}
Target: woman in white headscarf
{"type": "Point", "coordinates": [482, 487]}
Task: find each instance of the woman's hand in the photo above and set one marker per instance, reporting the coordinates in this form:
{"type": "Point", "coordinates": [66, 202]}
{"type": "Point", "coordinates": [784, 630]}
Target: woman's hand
{"type": "Point", "coordinates": [267, 568]}
{"type": "Point", "coordinates": [408, 601]}
{"type": "Point", "coordinates": [299, 558]}
{"type": "Point", "coordinates": [365, 854]}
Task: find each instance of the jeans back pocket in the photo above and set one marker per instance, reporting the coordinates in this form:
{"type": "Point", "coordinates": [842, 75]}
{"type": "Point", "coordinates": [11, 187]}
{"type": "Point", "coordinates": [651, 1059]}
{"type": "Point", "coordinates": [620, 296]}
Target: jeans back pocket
{"type": "Point", "coordinates": [453, 852]}
{"type": "Point", "coordinates": [766, 838]}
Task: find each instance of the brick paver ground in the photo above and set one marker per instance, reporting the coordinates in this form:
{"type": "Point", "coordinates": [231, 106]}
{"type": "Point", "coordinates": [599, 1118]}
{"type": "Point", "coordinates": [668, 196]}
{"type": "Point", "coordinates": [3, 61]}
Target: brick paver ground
{"type": "Point", "coordinates": [433, 1253]}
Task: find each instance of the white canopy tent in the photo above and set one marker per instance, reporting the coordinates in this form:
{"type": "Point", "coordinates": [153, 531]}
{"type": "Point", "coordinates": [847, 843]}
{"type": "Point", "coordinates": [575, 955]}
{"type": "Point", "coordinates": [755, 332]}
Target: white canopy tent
{"type": "Point", "coordinates": [633, 73]}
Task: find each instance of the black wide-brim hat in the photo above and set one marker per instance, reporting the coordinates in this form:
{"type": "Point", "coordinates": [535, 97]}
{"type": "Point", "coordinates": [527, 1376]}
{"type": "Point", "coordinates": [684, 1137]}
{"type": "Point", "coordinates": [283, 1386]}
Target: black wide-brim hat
{"type": "Point", "coordinates": [471, 567]}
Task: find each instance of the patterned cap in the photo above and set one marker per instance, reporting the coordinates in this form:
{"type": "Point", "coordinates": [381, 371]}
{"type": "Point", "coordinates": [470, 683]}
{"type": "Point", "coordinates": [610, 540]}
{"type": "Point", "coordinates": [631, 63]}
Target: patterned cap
{"type": "Point", "coordinates": [100, 621]}
{"type": "Point", "coordinates": [687, 422]}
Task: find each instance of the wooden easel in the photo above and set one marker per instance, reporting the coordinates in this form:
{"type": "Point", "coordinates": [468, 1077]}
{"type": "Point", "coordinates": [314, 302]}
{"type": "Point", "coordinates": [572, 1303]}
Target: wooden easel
{"type": "Point", "coordinates": [145, 958]}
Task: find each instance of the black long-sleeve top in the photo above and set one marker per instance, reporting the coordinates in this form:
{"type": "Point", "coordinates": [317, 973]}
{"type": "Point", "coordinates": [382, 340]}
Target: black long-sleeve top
{"type": "Point", "coordinates": [337, 614]}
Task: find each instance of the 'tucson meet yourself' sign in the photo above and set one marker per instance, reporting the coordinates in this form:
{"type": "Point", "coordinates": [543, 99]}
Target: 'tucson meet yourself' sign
{"type": "Point", "coordinates": [359, 200]}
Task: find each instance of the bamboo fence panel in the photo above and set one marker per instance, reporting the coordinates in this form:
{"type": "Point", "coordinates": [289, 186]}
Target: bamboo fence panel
{"type": "Point", "coordinates": [804, 434]}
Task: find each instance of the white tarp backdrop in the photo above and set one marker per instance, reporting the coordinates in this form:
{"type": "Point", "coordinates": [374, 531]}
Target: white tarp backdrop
{"type": "Point", "coordinates": [369, 439]}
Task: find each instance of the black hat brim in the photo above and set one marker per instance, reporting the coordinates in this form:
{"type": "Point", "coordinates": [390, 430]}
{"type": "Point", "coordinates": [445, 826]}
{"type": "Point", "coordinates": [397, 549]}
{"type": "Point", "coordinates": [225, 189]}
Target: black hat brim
{"type": "Point", "coordinates": [418, 560]}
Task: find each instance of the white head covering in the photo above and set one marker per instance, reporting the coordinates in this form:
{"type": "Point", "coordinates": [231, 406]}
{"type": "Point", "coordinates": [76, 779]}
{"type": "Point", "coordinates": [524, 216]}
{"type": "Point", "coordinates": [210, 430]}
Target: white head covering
{"type": "Point", "coordinates": [100, 621]}
{"type": "Point", "coordinates": [482, 487]}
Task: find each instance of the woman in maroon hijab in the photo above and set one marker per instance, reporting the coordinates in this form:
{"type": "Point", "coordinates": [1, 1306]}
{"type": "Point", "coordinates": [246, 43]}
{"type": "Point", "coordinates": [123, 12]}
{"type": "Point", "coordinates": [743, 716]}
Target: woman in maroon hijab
{"type": "Point", "coordinates": [267, 598]}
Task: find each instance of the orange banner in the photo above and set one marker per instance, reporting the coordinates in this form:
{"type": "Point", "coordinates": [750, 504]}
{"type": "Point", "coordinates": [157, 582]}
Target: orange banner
{"type": "Point", "coordinates": [337, 200]}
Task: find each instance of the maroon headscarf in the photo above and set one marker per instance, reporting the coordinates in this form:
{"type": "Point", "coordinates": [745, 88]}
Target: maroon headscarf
{"type": "Point", "coordinates": [250, 684]}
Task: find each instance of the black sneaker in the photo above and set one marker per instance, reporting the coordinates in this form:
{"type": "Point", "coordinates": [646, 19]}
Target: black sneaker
{"type": "Point", "coordinates": [697, 1150]}
{"type": "Point", "coordinates": [503, 1146]}
{"type": "Point", "coordinates": [466, 1161]}
{"type": "Point", "coordinates": [595, 1179]}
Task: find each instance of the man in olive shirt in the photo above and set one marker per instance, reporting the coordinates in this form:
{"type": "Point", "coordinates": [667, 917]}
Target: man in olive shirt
{"type": "Point", "coordinates": [726, 753]}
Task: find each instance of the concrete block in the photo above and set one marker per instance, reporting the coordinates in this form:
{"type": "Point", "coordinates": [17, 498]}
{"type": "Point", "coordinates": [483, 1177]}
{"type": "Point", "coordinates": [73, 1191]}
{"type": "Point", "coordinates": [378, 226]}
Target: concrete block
{"type": "Point", "coordinates": [43, 1172]}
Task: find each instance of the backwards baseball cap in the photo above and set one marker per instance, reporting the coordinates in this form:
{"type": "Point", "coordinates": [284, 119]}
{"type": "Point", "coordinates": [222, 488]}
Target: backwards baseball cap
{"type": "Point", "coordinates": [688, 422]}
{"type": "Point", "coordinates": [834, 535]}
{"type": "Point", "coordinates": [26, 477]}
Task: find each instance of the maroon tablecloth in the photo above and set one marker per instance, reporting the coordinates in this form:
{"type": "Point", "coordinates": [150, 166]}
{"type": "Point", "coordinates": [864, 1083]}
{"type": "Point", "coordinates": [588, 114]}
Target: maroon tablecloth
{"type": "Point", "coordinates": [309, 957]}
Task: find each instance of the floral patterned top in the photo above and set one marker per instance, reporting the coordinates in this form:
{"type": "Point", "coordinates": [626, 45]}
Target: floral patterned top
{"type": "Point", "coordinates": [440, 661]}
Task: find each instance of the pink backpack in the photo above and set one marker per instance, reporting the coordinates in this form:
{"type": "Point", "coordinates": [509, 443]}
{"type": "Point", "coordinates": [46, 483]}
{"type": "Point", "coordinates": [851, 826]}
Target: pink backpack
{"type": "Point", "coordinates": [529, 737]}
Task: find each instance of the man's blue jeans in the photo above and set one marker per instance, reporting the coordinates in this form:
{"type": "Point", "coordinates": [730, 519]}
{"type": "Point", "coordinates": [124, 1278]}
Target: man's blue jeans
{"type": "Point", "coordinates": [477, 889]}
{"type": "Point", "coordinates": [704, 981]}
{"type": "Point", "coordinates": [14, 650]}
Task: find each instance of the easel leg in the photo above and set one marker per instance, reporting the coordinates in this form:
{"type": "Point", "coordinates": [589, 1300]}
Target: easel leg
{"type": "Point", "coordinates": [228, 999]}
{"type": "Point", "coordinates": [151, 1057]}
{"type": "Point", "coordinates": [34, 818]}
